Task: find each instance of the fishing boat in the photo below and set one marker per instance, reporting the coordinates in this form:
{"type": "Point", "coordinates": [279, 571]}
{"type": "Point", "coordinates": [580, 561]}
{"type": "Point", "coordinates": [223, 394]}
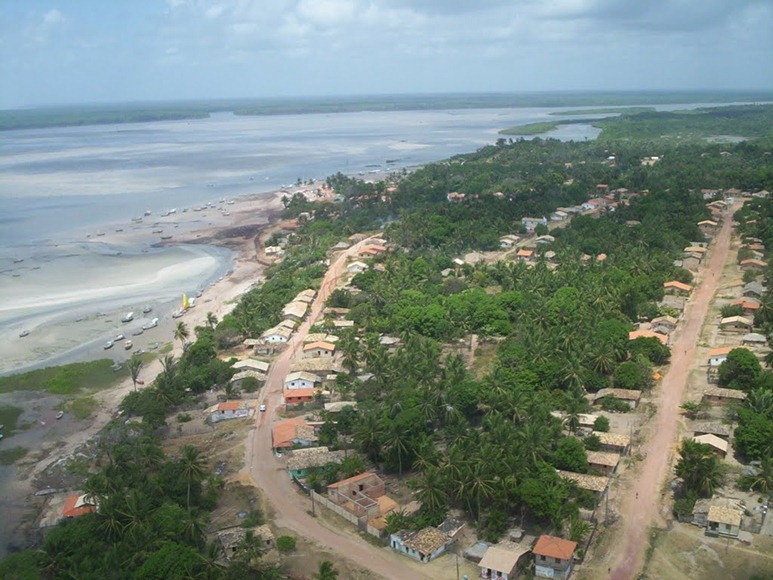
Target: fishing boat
{"type": "Point", "coordinates": [128, 345]}
{"type": "Point", "coordinates": [128, 318]}
{"type": "Point", "coordinates": [59, 415]}
{"type": "Point", "coordinates": [185, 303]}
{"type": "Point", "coordinates": [148, 308]}
{"type": "Point", "coordinates": [24, 333]}
{"type": "Point", "coordinates": [152, 324]}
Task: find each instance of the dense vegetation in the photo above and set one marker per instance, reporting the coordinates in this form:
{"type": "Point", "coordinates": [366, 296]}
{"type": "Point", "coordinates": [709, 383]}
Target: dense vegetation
{"type": "Point", "coordinates": [66, 379]}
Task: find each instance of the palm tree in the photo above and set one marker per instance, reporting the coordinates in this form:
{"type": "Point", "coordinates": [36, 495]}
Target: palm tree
{"type": "Point", "coordinates": [480, 486]}
{"type": "Point", "coordinates": [395, 442]}
{"type": "Point", "coordinates": [367, 436]}
{"type": "Point", "coordinates": [698, 468]}
{"type": "Point", "coordinates": [181, 333]}
{"type": "Point", "coordinates": [326, 571]}
{"type": "Point", "coordinates": [211, 320]}
{"type": "Point", "coordinates": [430, 489]}
{"type": "Point", "coordinates": [192, 468]}
{"type": "Point", "coordinates": [135, 365]}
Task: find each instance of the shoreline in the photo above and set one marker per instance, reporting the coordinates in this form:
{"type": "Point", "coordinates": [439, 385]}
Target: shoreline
{"type": "Point", "coordinates": [51, 441]}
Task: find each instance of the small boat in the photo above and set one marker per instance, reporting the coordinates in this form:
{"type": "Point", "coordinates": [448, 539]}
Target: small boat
{"type": "Point", "coordinates": [138, 332]}
{"type": "Point", "coordinates": [119, 338]}
{"type": "Point", "coordinates": [24, 333]}
{"type": "Point", "coordinates": [128, 318]}
{"type": "Point", "coordinates": [59, 415]}
{"type": "Point", "coordinates": [108, 344]}
{"type": "Point", "coordinates": [148, 308]}
{"type": "Point", "coordinates": [128, 345]}
{"type": "Point", "coordinates": [152, 324]}
{"type": "Point", "coordinates": [147, 212]}
{"type": "Point", "coordinates": [178, 313]}
{"type": "Point", "coordinates": [166, 237]}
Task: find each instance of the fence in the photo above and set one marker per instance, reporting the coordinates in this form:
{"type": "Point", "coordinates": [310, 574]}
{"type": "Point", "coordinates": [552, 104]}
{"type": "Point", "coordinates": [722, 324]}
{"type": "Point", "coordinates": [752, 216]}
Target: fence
{"type": "Point", "coordinates": [335, 508]}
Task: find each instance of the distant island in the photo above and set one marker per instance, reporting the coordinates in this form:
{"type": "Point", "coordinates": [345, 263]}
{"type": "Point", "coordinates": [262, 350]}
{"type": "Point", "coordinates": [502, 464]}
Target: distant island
{"type": "Point", "coordinates": [116, 113]}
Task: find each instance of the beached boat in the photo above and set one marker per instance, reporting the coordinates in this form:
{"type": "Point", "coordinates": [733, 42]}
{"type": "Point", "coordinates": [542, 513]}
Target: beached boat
{"type": "Point", "coordinates": [128, 318]}
{"type": "Point", "coordinates": [147, 212]}
{"type": "Point", "coordinates": [108, 344]}
{"type": "Point", "coordinates": [185, 303]}
{"type": "Point", "coordinates": [152, 324]}
{"type": "Point", "coordinates": [59, 415]}
{"type": "Point", "coordinates": [148, 308]}
{"type": "Point", "coordinates": [24, 333]}
{"type": "Point", "coordinates": [138, 332]}
{"type": "Point", "coordinates": [119, 337]}
{"type": "Point", "coordinates": [128, 345]}
{"type": "Point", "coordinates": [178, 313]}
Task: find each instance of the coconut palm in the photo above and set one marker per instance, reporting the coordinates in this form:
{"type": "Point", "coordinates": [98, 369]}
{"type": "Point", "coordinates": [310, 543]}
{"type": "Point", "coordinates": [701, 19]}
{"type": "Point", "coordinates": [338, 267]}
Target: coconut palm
{"type": "Point", "coordinates": [430, 489]}
{"type": "Point", "coordinates": [698, 468]}
{"type": "Point", "coordinates": [326, 571]}
{"type": "Point", "coordinates": [192, 468]}
{"type": "Point", "coordinates": [181, 333]}
{"type": "Point", "coordinates": [211, 320]}
{"type": "Point", "coordinates": [135, 365]}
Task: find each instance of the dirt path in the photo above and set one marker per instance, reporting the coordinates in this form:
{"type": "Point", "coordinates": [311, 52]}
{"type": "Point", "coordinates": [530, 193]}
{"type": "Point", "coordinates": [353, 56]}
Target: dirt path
{"type": "Point", "coordinates": [641, 504]}
{"type": "Point", "coordinates": [271, 476]}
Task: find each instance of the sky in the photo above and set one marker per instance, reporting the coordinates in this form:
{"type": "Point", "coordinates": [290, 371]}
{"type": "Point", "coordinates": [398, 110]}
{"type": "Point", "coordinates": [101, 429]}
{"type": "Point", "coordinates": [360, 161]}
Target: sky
{"type": "Point", "coordinates": [86, 51]}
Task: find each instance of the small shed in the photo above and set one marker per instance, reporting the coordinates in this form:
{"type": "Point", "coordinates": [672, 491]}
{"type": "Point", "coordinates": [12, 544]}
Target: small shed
{"type": "Point", "coordinates": [723, 521]}
{"type": "Point", "coordinates": [736, 324]}
{"type": "Point", "coordinates": [719, 446]}
{"type": "Point", "coordinates": [754, 339]}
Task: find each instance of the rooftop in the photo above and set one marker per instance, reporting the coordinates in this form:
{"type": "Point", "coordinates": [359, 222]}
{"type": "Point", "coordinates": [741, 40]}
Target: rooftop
{"type": "Point", "coordinates": [615, 439]}
{"type": "Point", "coordinates": [584, 481]}
{"type": "Point", "coordinates": [427, 540]}
{"type": "Point", "coordinates": [319, 344]}
{"type": "Point", "coordinates": [313, 457]}
{"type": "Point", "coordinates": [723, 515]}
{"type": "Point", "coordinates": [355, 479]}
{"type": "Point", "coordinates": [301, 376]}
{"type": "Point", "coordinates": [503, 558]}
{"type": "Point", "coordinates": [724, 393]}
{"type": "Point", "coordinates": [230, 406]}
{"type": "Point", "coordinates": [283, 432]}
{"type": "Point", "coordinates": [603, 458]}
{"type": "Point", "coordinates": [624, 394]}
{"type": "Point", "coordinates": [712, 441]}
{"type": "Point", "coordinates": [554, 547]}
{"type": "Point", "coordinates": [711, 427]}
{"type": "Point", "coordinates": [634, 334]}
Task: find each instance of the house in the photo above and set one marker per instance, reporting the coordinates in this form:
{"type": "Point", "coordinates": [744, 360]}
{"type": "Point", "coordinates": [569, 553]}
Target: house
{"type": "Point", "coordinates": [295, 432]}
{"type": "Point", "coordinates": [663, 324]}
{"type": "Point", "coordinates": [320, 366]}
{"type": "Point", "coordinates": [455, 197]}
{"type": "Point", "coordinates": [78, 505]}
{"type": "Point", "coordinates": [531, 223]}
{"type": "Point", "coordinates": [508, 241]}
{"type": "Point", "coordinates": [306, 296]}
{"type": "Point", "coordinates": [553, 557]}
{"type": "Point", "coordinates": [299, 396]}
{"type": "Point", "coordinates": [342, 324]}
{"type": "Point", "coordinates": [720, 395]}
{"type": "Point", "coordinates": [300, 380]}
{"type": "Point", "coordinates": [699, 250]}
{"type": "Point", "coordinates": [753, 264]}
{"type": "Point", "coordinates": [524, 255]}
{"type": "Point", "coordinates": [630, 396]}
{"type": "Point", "coordinates": [559, 216]}
{"type": "Point", "coordinates": [713, 428]}
{"type": "Point", "coordinates": [279, 333]}
{"type": "Point", "coordinates": [358, 495]}
{"type": "Point", "coordinates": [373, 250]}
{"type": "Point", "coordinates": [356, 267]}
{"type": "Point", "coordinates": [754, 290]}
{"type": "Point", "coordinates": [232, 539]}
{"type": "Point", "coordinates": [503, 561]}
{"type": "Point", "coordinates": [238, 379]}
{"type": "Point", "coordinates": [723, 521]}
{"type": "Point", "coordinates": [614, 442]}
{"type": "Point", "coordinates": [295, 311]}
{"type": "Point", "coordinates": [603, 462]}
{"type": "Point", "coordinates": [754, 339]}
{"type": "Point", "coordinates": [424, 545]}
{"type": "Point", "coordinates": [301, 461]}
{"type": "Point", "coordinates": [644, 333]}
{"type": "Point", "coordinates": [718, 446]}
{"type": "Point", "coordinates": [673, 302]}
{"type": "Point", "coordinates": [229, 410]}
{"type": "Point", "coordinates": [546, 239]}
{"type": "Point", "coordinates": [676, 287]}
{"type": "Point", "coordinates": [593, 483]}
{"type": "Point", "coordinates": [251, 364]}
{"type": "Point", "coordinates": [700, 513]}
{"type": "Point", "coordinates": [708, 227]}
{"type": "Point", "coordinates": [719, 355]}
{"type": "Point", "coordinates": [748, 305]}
{"type": "Point", "coordinates": [736, 324]}
{"type": "Point", "coordinates": [319, 349]}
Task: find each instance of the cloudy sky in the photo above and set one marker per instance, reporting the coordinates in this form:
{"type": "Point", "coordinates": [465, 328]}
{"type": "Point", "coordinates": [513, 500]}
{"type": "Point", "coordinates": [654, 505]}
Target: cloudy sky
{"type": "Point", "coordinates": [71, 51]}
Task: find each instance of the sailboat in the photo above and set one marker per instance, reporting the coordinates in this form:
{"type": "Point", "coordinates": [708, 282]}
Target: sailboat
{"type": "Point", "coordinates": [186, 304]}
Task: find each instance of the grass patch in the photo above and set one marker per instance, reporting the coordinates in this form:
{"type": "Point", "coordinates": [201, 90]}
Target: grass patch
{"type": "Point", "coordinates": [12, 455]}
{"type": "Point", "coordinates": [66, 379]}
{"type": "Point", "coordinates": [531, 128]}
{"type": "Point", "coordinates": [166, 349]}
{"type": "Point", "coordinates": [83, 408]}
{"type": "Point", "coordinates": [9, 416]}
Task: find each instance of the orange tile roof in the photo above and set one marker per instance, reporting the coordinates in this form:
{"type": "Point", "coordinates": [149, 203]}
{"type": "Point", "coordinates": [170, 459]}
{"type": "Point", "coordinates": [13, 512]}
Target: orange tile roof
{"type": "Point", "coordinates": [71, 508]}
{"type": "Point", "coordinates": [553, 547]}
{"type": "Point", "coordinates": [524, 253]}
{"type": "Point", "coordinates": [678, 285]}
{"type": "Point", "coordinates": [633, 335]}
{"type": "Point", "coordinates": [229, 406]}
{"type": "Point", "coordinates": [284, 432]}
{"type": "Point", "coordinates": [296, 393]}
{"type": "Point", "coordinates": [356, 478]}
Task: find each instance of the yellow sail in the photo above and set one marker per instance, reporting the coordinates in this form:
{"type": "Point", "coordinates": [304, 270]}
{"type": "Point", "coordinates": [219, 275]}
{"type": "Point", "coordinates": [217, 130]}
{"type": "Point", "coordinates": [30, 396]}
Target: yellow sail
{"type": "Point", "coordinates": [186, 304]}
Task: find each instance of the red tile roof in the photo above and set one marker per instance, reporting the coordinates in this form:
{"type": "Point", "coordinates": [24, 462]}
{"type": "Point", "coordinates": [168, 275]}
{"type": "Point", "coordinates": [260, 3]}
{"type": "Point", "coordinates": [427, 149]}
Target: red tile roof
{"type": "Point", "coordinates": [553, 547]}
{"type": "Point", "coordinates": [72, 509]}
{"type": "Point", "coordinates": [229, 406]}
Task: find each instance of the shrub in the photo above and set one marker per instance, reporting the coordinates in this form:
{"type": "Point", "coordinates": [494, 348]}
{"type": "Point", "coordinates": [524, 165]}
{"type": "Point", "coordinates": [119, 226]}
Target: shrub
{"type": "Point", "coordinates": [601, 424]}
{"type": "Point", "coordinates": [285, 544]}
{"type": "Point", "coordinates": [592, 443]}
{"type": "Point", "coordinates": [183, 418]}
{"type": "Point", "coordinates": [614, 405]}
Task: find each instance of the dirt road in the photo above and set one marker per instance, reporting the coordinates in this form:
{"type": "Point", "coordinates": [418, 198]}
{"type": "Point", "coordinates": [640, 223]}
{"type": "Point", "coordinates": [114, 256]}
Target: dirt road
{"type": "Point", "coordinates": [641, 505]}
{"type": "Point", "coordinates": [270, 475]}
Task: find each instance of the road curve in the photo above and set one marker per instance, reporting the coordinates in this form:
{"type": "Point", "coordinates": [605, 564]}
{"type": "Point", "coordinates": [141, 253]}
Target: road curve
{"type": "Point", "coordinates": [270, 475]}
{"type": "Point", "coordinates": [641, 503]}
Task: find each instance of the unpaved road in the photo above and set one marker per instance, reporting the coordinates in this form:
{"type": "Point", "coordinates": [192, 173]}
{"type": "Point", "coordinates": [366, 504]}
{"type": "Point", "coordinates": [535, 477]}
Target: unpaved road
{"type": "Point", "coordinates": [641, 504]}
{"type": "Point", "coordinates": [270, 475]}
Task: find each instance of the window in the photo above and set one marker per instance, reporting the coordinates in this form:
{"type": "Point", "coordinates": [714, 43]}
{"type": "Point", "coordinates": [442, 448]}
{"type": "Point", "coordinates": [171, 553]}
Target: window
{"type": "Point", "coordinates": [542, 558]}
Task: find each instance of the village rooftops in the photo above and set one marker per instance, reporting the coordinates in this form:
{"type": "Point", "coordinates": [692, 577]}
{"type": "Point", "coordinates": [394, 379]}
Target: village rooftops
{"type": "Point", "coordinates": [742, 320]}
{"type": "Point", "coordinates": [229, 406]}
{"type": "Point", "coordinates": [695, 250]}
{"type": "Point", "coordinates": [313, 457]}
{"type": "Point", "coordinates": [284, 432]}
{"type": "Point", "coordinates": [712, 441]}
{"type": "Point", "coordinates": [723, 350]}
{"type": "Point", "coordinates": [320, 336]}
{"type": "Point", "coordinates": [709, 223]}
{"type": "Point", "coordinates": [724, 515]}
{"type": "Point", "coordinates": [306, 296]}
{"type": "Point", "coordinates": [584, 481]}
{"type": "Point", "coordinates": [623, 394]}
{"type": "Point", "coordinates": [249, 375]}
{"type": "Point", "coordinates": [724, 393]}
{"type": "Point", "coordinates": [344, 482]}
{"type": "Point", "coordinates": [753, 262]}
{"type": "Point", "coordinates": [295, 310]}
{"type": "Point", "coordinates": [524, 253]}
{"type": "Point", "coordinates": [644, 333]}
{"type": "Point", "coordinates": [613, 439]}
{"type": "Point", "coordinates": [711, 427]}
{"type": "Point", "coordinates": [315, 365]}
{"type": "Point", "coordinates": [677, 285]}
{"type": "Point", "coordinates": [552, 547]}
{"type": "Point", "coordinates": [280, 330]}
{"type": "Point", "coordinates": [319, 344]}
{"type": "Point", "coordinates": [603, 458]}
{"type": "Point", "coordinates": [664, 319]}
{"type": "Point", "coordinates": [503, 558]}
{"type": "Point", "coordinates": [301, 376]}
{"type": "Point", "coordinates": [252, 364]}
{"type": "Point", "coordinates": [450, 527]}
{"type": "Point", "coordinates": [426, 541]}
